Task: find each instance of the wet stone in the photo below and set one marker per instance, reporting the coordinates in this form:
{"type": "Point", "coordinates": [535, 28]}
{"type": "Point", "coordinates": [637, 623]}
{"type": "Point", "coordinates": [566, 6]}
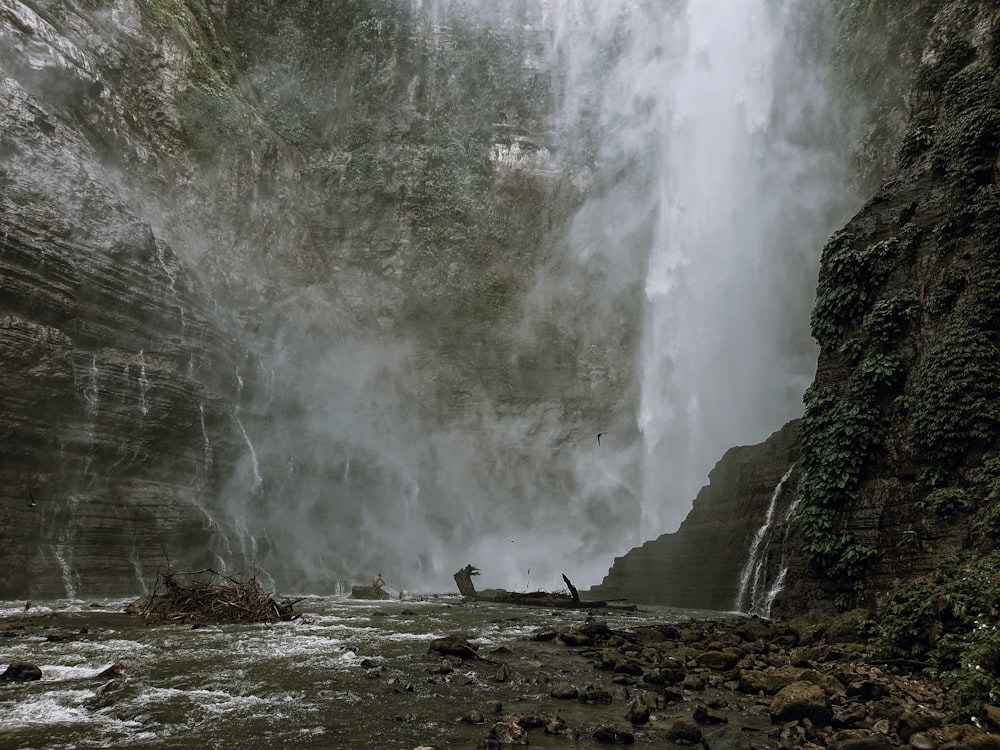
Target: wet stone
{"type": "Point", "coordinates": [21, 671]}
{"type": "Point", "coordinates": [610, 735]}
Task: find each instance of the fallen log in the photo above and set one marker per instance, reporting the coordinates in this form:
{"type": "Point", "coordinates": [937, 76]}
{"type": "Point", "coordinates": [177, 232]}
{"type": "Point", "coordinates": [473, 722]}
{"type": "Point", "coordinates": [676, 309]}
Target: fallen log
{"type": "Point", "coordinates": [558, 600]}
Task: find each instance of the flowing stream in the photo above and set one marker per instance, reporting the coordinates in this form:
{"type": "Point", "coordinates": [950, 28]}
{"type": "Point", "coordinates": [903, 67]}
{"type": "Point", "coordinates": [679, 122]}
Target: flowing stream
{"type": "Point", "coordinates": [349, 673]}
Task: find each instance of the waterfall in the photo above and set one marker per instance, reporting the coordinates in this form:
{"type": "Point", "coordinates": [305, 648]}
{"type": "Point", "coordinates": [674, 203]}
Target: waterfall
{"type": "Point", "coordinates": [720, 166]}
{"type": "Point", "coordinates": [745, 195]}
{"type": "Point", "coordinates": [755, 593]}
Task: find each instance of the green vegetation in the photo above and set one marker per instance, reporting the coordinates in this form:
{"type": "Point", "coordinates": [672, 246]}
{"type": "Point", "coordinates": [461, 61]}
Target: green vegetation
{"type": "Point", "coordinates": [948, 621]}
{"type": "Point", "coordinates": [920, 362]}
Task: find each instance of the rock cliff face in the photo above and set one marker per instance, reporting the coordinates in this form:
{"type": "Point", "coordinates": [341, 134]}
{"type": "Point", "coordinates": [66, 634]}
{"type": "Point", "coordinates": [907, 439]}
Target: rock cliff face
{"type": "Point", "coordinates": [280, 279]}
{"type": "Point", "coordinates": [117, 375]}
{"type": "Point", "coordinates": [235, 248]}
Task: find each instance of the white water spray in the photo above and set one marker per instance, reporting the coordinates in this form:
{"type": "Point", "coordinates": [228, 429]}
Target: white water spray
{"type": "Point", "coordinates": [718, 119]}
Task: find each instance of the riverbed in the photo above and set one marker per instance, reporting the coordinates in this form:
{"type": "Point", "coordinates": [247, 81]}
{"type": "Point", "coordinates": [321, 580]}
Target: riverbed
{"type": "Point", "coordinates": [347, 674]}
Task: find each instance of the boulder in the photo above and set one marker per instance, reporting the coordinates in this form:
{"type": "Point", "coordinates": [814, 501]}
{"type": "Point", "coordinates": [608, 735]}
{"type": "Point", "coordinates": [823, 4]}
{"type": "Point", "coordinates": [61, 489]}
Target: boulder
{"type": "Point", "coordinates": [801, 700]}
{"type": "Point", "coordinates": [770, 681]}
{"type": "Point", "coordinates": [684, 730]}
{"type": "Point", "coordinates": [726, 738]}
{"type": "Point", "coordinates": [610, 735]}
{"type": "Point", "coordinates": [721, 661]}
{"type": "Point", "coordinates": [564, 691]}
{"type": "Point", "coordinates": [639, 711]}
{"type": "Point", "coordinates": [454, 645]}
{"type": "Point", "coordinates": [21, 671]}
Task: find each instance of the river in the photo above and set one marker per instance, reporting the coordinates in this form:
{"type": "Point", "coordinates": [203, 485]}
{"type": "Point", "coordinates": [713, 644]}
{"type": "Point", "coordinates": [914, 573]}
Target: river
{"type": "Point", "coordinates": [347, 674]}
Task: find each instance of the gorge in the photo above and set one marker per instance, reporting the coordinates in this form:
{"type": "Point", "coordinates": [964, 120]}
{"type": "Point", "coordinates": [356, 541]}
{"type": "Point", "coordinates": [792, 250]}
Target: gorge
{"type": "Point", "coordinates": [328, 291]}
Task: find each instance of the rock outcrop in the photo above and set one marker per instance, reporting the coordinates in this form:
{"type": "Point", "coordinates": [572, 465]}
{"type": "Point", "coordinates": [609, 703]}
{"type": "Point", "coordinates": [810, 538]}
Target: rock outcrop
{"type": "Point", "coordinates": [702, 564]}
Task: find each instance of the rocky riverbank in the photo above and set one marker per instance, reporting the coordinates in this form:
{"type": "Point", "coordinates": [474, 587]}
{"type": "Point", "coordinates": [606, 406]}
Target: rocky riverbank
{"type": "Point", "coordinates": [737, 683]}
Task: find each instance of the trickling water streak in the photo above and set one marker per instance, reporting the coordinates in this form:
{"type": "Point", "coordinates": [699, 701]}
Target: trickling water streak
{"type": "Point", "coordinates": [171, 280]}
{"type": "Point", "coordinates": [143, 385]}
{"type": "Point", "coordinates": [207, 464]}
{"type": "Point", "coordinates": [755, 560]}
{"type": "Point", "coordinates": [91, 392]}
{"type": "Point", "coordinates": [59, 551]}
{"type": "Point", "coordinates": [257, 478]}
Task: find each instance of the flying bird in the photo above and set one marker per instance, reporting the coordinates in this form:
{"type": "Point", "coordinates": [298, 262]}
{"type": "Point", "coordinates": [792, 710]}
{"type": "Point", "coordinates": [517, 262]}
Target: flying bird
{"type": "Point", "coordinates": [599, 437]}
{"type": "Point", "coordinates": [31, 500]}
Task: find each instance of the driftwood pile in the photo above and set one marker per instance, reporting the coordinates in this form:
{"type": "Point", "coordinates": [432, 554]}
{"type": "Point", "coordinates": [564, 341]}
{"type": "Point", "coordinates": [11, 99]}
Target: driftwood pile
{"type": "Point", "coordinates": [209, 596]}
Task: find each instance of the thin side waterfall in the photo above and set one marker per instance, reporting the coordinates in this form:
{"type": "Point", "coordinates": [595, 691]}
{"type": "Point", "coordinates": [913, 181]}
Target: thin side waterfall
{"type": "Point", "coordinates": [763, 576]}
{"type": "Point", "coordinates": [749, 596]}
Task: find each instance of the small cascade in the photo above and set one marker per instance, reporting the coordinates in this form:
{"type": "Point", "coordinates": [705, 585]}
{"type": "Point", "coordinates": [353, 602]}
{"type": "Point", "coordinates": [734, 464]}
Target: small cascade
{"type": "Point", "coordinates": [756, 593]}
{"type": "Point", "coordinates": [257, 478]}
{"type": "Point", "coordinates": [137, 564]}
{"type": "Point", "coordinates": [91, 395]}
{"type": "Point", "coordinates": [70, 579]}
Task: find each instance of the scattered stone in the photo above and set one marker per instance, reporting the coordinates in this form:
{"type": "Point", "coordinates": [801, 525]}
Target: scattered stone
{"type": "Point", "coordinates": [801, 700]}
{"type": "Point", "coordinates": [639, 712]}
{"type": "Point", "coordinates": [113, 672]}
{"type": "Point", "coordinates": [694, 682]}
{"type": "Point", "coordinates": [591, 694]}
{"type": "Point", "coordinates": [922, 741]}
{"type": "Point", "coordinates": [706, 715]}
{"type": "Point", "coordinates": [21, 671]}
{"type": "Point", "coordinates": [609, 735]}
{"type": "Point", "coordinates": [684, 730]}
{"type": "Point", "coordinates": [508, 731]}
{"type": "Point", "coordinates": [872, 742]}
{"type": "Point", "coordinates": [722, 661]}
{"type": "Point", "coordinates": [473, 717]}
{"type": "Point", "coordinates": [454, 645]}
{"type": "Point", "coordinates": [564, 691]}
{"type": "Point", "coordinates": [557, 726]}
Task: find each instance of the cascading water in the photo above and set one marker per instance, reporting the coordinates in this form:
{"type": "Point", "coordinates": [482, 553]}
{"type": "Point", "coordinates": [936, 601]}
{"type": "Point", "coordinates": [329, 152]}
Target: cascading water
{"type": "Point", "coordinates": [757, 589]}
